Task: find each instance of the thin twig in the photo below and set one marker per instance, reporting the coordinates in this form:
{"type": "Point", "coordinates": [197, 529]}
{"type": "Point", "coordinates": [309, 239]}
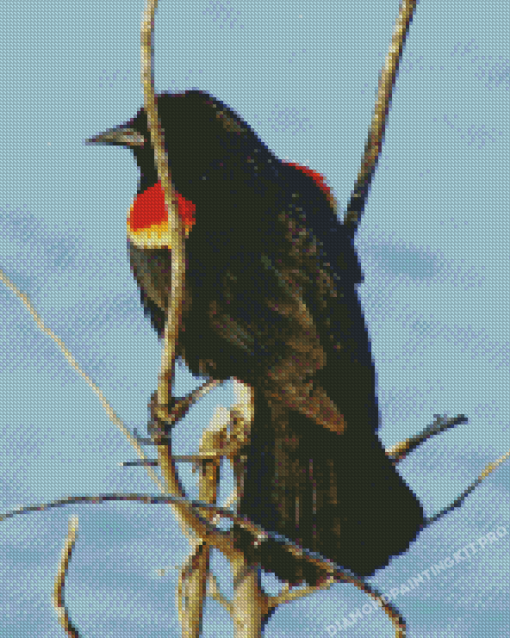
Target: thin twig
{"type": "Point", "coordinates": [139, 463]}
{"type": "Point", "coordinates": [287, 594]}
{"type": "Point", "coordinates": [401, 450]}
{"type": "Point", "coordinates": [189, 604]}
{"type": "Point", "coordinates": [106, 405]}
{"type": "Point", "coordinates": [183, 458]}
{"type": "Point", "coordinates": [206, 528]}
{"type": "Point", "coordinates": [458, 501]}
{"type": "Point", "coordinates": [185, 514]}
{"type": "Point", "coordinates": [194, 575]}
{"type": "Point", "coordinates": [249, 604]}
{"type": "Point", "coordinates": [176, 232]}
{"type": "Point", "coordinates": [390, 610]}
{"type": "Point", "coordinates": [374, 142]}
{"type": "Point", "coordinates": [58, 591]}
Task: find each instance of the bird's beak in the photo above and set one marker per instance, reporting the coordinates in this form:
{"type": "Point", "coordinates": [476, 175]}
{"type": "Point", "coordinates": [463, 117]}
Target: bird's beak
{"type": "Point", "coordinates": [120, 135]}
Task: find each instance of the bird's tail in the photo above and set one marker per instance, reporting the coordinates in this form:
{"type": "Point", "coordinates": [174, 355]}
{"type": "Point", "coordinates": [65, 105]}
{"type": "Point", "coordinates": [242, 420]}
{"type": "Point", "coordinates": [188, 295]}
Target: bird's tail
{"type": "Point", "coordinates": [336, 494]}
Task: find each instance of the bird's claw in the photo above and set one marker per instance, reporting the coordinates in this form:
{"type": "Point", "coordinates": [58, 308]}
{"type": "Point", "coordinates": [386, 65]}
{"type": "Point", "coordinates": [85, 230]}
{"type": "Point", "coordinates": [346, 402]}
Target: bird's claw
{"type": "Point", "coordinates": [162, 418]}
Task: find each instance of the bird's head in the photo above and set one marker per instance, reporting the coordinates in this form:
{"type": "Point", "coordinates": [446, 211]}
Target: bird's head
{"type": "Point", "coordinates": [204, 140]}
{"type": "Point", "coordinates": [214, 157]}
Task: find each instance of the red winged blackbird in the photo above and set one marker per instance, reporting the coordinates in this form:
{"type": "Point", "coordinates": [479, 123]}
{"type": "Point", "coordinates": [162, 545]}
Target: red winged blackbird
{"type": "Point", "coordinates": [271, 300]}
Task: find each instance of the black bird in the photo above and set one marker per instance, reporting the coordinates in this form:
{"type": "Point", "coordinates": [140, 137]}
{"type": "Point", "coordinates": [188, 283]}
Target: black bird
{"type": "Point", "coordinates": [271, 300]}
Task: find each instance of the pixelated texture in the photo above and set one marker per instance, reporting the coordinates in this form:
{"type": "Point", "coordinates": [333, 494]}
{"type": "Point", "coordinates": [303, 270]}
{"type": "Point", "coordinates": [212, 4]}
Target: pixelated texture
{"type": "Point", "coordinates": [437, 316]}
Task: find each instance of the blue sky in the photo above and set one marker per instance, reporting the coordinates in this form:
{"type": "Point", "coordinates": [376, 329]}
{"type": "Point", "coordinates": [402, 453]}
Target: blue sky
{"type": "Point", "coordinates": [433, 246]}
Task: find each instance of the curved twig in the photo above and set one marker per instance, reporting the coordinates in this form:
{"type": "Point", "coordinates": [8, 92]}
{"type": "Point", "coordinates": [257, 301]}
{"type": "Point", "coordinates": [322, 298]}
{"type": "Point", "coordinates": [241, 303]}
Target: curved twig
{"type": "Point", "coordinates": [401, 450]}
{"type": "Point", "coordinates": [58, 591]}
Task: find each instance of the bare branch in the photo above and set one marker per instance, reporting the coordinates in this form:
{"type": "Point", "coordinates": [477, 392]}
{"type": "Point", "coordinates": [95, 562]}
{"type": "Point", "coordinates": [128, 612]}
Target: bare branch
{"type": "Point", "coordinates": [401, 450]}
{"type": "Point", "coordinates": [216, 537]}
{"type": "Point", "coordinates": [106, 405]}
{"type": "Point", "coordinates": [287, 594]}
{"type": "Point", "coordinates": [194, 575]}
{"type": "Point", "coordinates": [458, 501]}
{"type": "Point", "coordinates": [249, 605]}
{"type": "Point", "coordinates": [185, 515]}
{"type": "Point", "coordinates": [376, 132]}
{"type": "Point", "coordinates": [178, 266]}
{"type": "Point", "coordinates": [58, 591]}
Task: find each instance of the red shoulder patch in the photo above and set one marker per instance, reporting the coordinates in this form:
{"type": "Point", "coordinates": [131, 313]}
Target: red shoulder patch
{"type": "Point", "coordinates": [317, 177]}
{"type": "Point", "coordinates": [149, 209]}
